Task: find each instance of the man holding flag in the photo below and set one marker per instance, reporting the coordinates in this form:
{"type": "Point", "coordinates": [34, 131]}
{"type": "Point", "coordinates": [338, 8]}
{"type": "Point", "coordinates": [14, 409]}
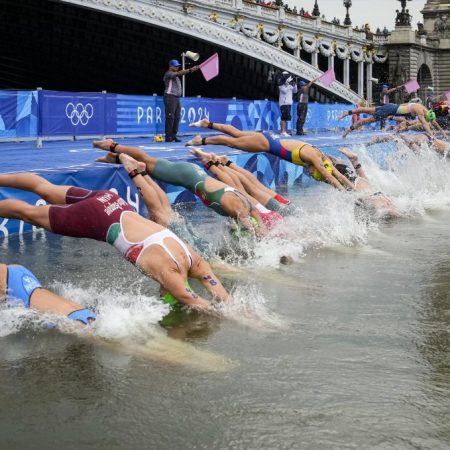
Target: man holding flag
{"type": "Point", "coordinates": [302, 106]}
{"type": "Point", "coordinates": [172, 93]}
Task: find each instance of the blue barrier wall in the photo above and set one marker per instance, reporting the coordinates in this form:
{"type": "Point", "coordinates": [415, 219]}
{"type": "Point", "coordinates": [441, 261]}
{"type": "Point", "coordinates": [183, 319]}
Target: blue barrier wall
{"type": "Point", "coordinates": [42, 113]}
{"type": "Point", "coordinates": [18, 114]}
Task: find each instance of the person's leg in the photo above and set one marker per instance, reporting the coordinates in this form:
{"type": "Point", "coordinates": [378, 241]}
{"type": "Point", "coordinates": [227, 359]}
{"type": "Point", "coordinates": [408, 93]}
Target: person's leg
{"type": "Point", "coordinates": [302, 110]}
{"type": "Point", "coordinates": [259, 194]}
{"type": "Point", "coordinates": [176, 118]}
{"type": "Point", "coordinates": [255, 143]}
{"type": "Point", "coordinates": [223, 128]}
{"type": "Point", "coordinates": [158, 211]}
{"type": "Point", "coordinates": [139, 155]}
{"type": "Point", "coordinates": [169, 109]}
{"type": "Point", "coordinates": [46, 301]}
{"type": "Point", "coordinates": [251, 179]}
{"type": "Point", "coordinates": [210, 161]}
{"type": "Point", "coordinates": [34, 215]}
{"type": "Point", "coordinates": [358, 110]}
{"type": "Point", "coordinates": [31, 182]}
{"type": "Point", "coordinates": [358, 125]}
{"type": "Point", "coordinates": [227, 177]}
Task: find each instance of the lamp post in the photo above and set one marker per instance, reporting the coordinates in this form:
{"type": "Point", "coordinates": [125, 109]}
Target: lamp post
{"type": "Point", "coordinates": [193, 57]}
{"type": "Point", "coordinates": [347, 6]}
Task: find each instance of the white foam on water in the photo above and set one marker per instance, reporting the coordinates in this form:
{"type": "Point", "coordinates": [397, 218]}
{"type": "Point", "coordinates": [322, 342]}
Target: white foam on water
{"type": "Point", "coordinates": [120, 315]}
{"type": "Point", "coordinates": [417, 182]}
{"type": "Point", "coordinates": [248, 307]}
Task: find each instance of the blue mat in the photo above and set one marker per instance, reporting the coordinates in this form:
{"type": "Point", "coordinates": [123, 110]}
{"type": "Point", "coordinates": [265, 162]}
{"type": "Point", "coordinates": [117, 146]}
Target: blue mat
{"type": "Point", "coordinates": [78, 155]}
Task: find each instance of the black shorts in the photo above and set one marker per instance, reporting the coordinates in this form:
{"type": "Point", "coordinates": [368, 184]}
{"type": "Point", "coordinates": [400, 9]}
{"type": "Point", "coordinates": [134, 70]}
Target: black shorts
{"type": "Point", "coordinates": [286, 112]}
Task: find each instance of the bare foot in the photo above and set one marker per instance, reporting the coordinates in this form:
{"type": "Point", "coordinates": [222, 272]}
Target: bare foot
{"type": "Point", "coordinates": [105, 144]}
{"type": "Point", "coordinates": [198, 152]}
{"type": "Point", "coordinates": [109, 158]}
{"type": "Point", "coordinates": [200, 123]}
{"type": "Point", "coordinates": [344, 114]}
{"type": "Point", "coordinates": [353, 157]}
{"type": "Point", "coordinates": [196, 140]}
{"type": "Point", "coordinates": [202, 156]}
{"type": "Point", "coordinates": [142, 166]}
{"type": "Point", "coordinates": [223, 159]}
{"type": "Point", "coordinates": [128, 162]}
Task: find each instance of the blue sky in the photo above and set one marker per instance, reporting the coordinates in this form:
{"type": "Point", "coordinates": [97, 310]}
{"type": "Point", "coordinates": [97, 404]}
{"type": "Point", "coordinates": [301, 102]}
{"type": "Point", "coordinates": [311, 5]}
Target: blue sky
{"type": "Point", "coordinates": [377, 13]}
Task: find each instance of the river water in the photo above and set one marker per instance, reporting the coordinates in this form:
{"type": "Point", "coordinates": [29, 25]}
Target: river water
{"type": "Point", "coordinates": [347, 348]}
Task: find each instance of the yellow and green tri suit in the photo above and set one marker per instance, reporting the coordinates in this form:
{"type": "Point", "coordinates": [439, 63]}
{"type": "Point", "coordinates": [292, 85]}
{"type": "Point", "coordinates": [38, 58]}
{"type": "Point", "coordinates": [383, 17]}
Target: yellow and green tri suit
{"type": "Point", "coordinates": [275, 148]}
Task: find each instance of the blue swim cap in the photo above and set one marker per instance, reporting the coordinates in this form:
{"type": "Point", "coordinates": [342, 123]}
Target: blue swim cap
{"type": "Point", "coordinates": [385, 86]}
{"type": "Point", "coordinates": [302, 83]}
{"type": "Point", "coordinates": [174, 62]}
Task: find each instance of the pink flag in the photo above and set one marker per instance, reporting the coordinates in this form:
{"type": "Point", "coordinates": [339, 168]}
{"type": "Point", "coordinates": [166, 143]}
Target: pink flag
{"type": "Point", "coordinates": [411, 86]}
{"type": "Point", "coordinates": [447, 94]}
{"type": "Point", "coordinates": [210, 67]}
{"type": "Point", "coordinates": [328, 77]}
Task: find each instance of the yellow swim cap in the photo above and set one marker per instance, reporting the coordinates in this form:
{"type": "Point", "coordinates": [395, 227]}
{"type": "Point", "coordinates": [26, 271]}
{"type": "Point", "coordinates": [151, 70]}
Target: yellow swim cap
{"type": "Point", "coordinates": [329, 168]}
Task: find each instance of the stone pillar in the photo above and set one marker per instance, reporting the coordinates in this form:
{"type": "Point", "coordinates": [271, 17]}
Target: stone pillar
{"type": "Point", "coordinates": [331, 62]}
{"type": "Point", "coordinates": [369, 82]}
{"type": "Point", "coordinates": [361, 78]}
{"type": "Point", "coordinates": [315, 59]}
{"type": "Point", "coordinates": [297, 53]}
{"type": "Point", "coordinates": [347, 72]}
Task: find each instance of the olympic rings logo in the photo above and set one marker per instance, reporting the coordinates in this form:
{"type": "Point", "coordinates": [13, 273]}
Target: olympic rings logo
{"type": "Point", "coordinates": [79, 114]}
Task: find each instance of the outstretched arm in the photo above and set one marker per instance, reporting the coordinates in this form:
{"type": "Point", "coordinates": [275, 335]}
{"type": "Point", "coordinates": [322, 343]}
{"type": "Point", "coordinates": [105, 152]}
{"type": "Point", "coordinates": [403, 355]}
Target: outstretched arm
{"type": "Point", "coordinates": [202, 271]}
{"type": "Point", "coordinates": [425, 124]}
{"type": "Point", "coordinates": [180, 73]}
{"type": "Point", "coordinates": [316, 161]}
{"type": "Point", "coordinates": [174, 282]}
{"type": "Point", "coordinates": [312, 82]}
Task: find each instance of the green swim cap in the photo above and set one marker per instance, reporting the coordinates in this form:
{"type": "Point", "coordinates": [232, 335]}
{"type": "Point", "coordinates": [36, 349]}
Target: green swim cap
{"type": "Point", "coordinates": [169, 299]}
{"type": "Point", "coordinates": [430, 115]}
{"type": "Point", "coordinates": [241, 232]}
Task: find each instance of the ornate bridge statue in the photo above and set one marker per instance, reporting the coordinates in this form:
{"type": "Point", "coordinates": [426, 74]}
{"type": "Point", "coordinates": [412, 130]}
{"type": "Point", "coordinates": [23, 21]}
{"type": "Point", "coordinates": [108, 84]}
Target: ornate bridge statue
{"type": "Point", "coordinates": [403, 17]}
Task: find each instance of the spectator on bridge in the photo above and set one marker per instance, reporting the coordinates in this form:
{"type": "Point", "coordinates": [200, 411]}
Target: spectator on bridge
{"type": "Point", "coordinates": [172, 93]}
{"type": "Point", "coordinates": [287, 89]}
{"type": "Point", "coordinates": [302, 12]}
{"type": "Point", "coordinates": [302, 106]}
{"type": "Point", "coordinates": [385, 31]}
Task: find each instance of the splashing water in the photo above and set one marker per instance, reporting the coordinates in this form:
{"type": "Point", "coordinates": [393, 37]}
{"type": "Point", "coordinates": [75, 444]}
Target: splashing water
{"type": "Point", "coordinates": [417, 181]}
{"type": "Point", "coordinates": [249, 308]}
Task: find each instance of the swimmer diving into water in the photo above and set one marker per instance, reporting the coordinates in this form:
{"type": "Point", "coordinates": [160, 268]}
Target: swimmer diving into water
{"type": "Point", "coordinates": [104, 216]}
{"type": "Point", "coordinates": [379, 113]}
{"type": "Point", "coordinates": [296, 152]}
{"type": "Point", "coordinates": [370, 199]}
{"type": "Point", "coordinates": [19, 286]}
{"type": "Point", "coordinates": [223, 199]}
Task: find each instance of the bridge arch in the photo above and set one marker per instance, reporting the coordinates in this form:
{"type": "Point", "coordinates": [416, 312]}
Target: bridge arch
{"type": "Point", "coordinates": [424, 78]}
{"type": "Point", "coordinates": [124, 46]}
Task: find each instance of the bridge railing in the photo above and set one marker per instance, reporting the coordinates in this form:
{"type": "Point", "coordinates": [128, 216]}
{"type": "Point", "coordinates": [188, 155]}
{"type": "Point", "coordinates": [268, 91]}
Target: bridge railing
{"type": "Point", "coordinates": [45, 115]}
